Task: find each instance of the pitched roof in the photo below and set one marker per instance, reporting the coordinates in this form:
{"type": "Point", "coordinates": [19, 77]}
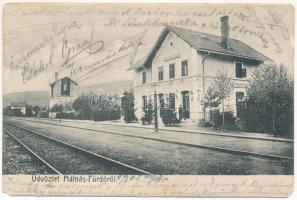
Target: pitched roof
{"type": "Point", "coordinates": [139, 63]}
{"type": "Point", "coordinates": [208, 43]}
{"type": "Point", "coordinates": [63, 78]}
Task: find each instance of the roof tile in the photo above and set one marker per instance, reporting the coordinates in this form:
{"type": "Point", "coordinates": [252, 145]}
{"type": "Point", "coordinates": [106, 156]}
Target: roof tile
{"type": "Point", "coordinates": [206, 42]}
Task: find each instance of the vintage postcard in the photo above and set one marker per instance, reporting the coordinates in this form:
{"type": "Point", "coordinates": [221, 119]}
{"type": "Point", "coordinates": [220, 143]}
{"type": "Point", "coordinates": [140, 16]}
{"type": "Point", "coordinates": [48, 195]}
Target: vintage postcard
{"type": "Point", "coordinates": [132, 99]}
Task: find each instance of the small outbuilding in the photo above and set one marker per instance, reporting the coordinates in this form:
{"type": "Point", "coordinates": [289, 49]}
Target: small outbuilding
{"type": "Point", "coordinates": [62, 91]}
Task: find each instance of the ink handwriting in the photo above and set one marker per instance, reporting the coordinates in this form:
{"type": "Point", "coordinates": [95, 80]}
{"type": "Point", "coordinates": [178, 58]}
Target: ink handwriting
{"type": "Point", "coordinates": [70, 52]}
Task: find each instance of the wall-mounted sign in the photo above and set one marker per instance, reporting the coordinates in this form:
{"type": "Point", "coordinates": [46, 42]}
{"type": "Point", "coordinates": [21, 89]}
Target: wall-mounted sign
{"type": "Point", "coordinates": [175, 56]}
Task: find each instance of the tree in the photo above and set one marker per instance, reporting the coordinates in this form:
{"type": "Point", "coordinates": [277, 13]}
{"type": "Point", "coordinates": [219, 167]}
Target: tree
{"type": "Point", "coordinates": [269, 100]}
{"type": "Point", "coordinates": [36, 110]}
{"type": "Point", "coordinates": [28, 111]}
{"type": "Point", "coordinates": [211, 98]}
{"type": "Point", "coordinates": [222, 86]}
{"type": "Point", "coordinates": [105, 107]}
{"type": "Point", "coordinates": [82, 104]}
{"type": "Point", "coordinates": [7, 111]}
{"type": "Point", "coordinates": [68, 106]}
{"type": "Point", "coordinates": [43, 113]}
{"type": "Point", "coordinates": [57, 108]}
{"type": "Point", "coordinates": [128, 107]}
{"type": "Point", "coordinates": [77, 104]}
{"type": "Point", "coordinates": [97, 107]}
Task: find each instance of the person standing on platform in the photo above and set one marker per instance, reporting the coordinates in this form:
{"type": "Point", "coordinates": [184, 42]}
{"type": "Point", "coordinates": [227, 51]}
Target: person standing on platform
{"type": "Point", "coordinates": [180, 113]}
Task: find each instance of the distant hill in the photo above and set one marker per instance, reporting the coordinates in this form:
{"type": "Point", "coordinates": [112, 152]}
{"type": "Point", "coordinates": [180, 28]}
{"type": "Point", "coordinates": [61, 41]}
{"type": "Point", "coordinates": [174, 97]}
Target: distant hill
{"type": "Point", "coordinates": [39, 98]}
{"type": "Point", "coordinates": [115, 87]}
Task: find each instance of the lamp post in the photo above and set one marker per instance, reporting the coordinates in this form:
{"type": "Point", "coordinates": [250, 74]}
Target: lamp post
{"type": "Point", "coordinates": [82, 106]}
{"type": "Point", "coordinates": [99, 91]}
{"type": "Point", "coordinates": [156, 111]}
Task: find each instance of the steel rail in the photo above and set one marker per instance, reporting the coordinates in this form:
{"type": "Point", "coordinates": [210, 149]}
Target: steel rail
{"type": "Point", "coordinates": [82, 150]}
{"type": "Point", "coordinates": [219, 149]}
{"type": "Point", "coordinates": [164, 129]}
{"type": "Point", "coordinates": [32, 152]}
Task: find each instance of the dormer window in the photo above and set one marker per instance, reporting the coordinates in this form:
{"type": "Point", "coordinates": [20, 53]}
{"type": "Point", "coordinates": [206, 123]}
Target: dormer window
{"type": "Point", "coordinates": [240, 71]}
{"type": "Point", "coordinates": [65, 87]}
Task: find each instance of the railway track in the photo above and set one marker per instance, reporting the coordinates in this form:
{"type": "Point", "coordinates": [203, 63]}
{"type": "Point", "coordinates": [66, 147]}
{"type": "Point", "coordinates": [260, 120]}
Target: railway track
{"type": "Point", "coordinates": [213, 148]}
{"type": "Point", "coordinates": [19, 160]}
{"type": "Point", "coordinates": [174, 130]}
{"type": "Point", "coordinates": [64, 158]}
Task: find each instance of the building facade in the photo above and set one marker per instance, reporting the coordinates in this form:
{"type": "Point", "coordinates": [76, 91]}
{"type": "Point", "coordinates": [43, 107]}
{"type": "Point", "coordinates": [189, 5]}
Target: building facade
{"type": "Point", "coordinates": [61, 91]}
{"type": "Point", "coordinates": [183, 64]}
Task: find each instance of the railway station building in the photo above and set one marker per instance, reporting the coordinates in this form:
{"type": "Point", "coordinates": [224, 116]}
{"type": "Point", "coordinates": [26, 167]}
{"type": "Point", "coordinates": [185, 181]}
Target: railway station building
{"type": "Point", "coordinates": [183, 63]}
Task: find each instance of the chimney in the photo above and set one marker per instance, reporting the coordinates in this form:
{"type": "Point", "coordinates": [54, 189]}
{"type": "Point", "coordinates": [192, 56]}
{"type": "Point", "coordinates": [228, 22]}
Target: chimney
{"type": "Point", "coordinates": [56, 76]}
{"type": "Point", "coordinates": [225, 31]}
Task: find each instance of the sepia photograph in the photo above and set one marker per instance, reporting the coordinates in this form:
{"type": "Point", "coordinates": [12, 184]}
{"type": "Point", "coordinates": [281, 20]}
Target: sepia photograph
{"type": "Point", "coordinates": [160, 98]}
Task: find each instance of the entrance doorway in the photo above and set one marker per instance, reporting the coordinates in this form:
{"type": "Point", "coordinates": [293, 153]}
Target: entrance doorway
{"type": "Point", "coordinates": [239, 103]}
{"type": "Point", "coordinates": [186, 104]}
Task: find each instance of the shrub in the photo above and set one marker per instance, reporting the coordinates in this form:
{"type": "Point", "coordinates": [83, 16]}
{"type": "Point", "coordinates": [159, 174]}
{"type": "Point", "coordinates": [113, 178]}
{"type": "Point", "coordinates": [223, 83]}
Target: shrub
{"type": "Point", "coordinates": [104, 115]}
{"type": "Point", "coordinates": [42, 114]}
{"type": "Point", "coordinates": [229, 120]}
{"type": "Point", "coordinates": [115, 114]}
{"type": "Point", "coordinates": [57, 108]}
{"type": "Point", "coordinates": [169, 116]}
{"type": "Point", "coordinates": [96, 107]}
{"type": "Point", "coordinates": [269, 104]}
{"type": "Point", "coordinates": [129, 115]}
{"type": "Point", "coordinates": [17, 113]}
{"type": "Point", "coordinates": [128, 107]}
{"type": "Point", "coordinates": [65, 115]}
{"type": "Point", "coordinates": [29, 110]}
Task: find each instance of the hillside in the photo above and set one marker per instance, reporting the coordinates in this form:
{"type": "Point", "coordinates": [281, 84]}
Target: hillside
{"type": "Point", "coordinates": [39, 98]}
{"type": "Point", "coordinates": [115, 87]}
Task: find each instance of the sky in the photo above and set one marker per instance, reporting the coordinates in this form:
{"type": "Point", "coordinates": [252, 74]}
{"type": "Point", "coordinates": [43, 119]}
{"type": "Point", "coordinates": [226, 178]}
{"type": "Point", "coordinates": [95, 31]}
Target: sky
{"type": "Point", "coordinates": [97, 43]}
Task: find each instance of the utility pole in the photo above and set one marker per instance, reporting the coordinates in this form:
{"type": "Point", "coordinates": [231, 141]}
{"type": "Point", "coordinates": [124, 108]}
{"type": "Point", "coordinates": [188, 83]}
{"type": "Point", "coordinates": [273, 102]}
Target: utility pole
{"type": "Point", "coordinates": [156, 111]}
{"type": "Point", "coordinates": [82, 107]}
{"type": "Point", "coordinates": [223, 108]}
{"type": "Point", "coordinates": [60, 120]}
{"type": "Point", "coordinates": [203, 80]}
{"type": "Point", "coordinates": [273, 115]}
